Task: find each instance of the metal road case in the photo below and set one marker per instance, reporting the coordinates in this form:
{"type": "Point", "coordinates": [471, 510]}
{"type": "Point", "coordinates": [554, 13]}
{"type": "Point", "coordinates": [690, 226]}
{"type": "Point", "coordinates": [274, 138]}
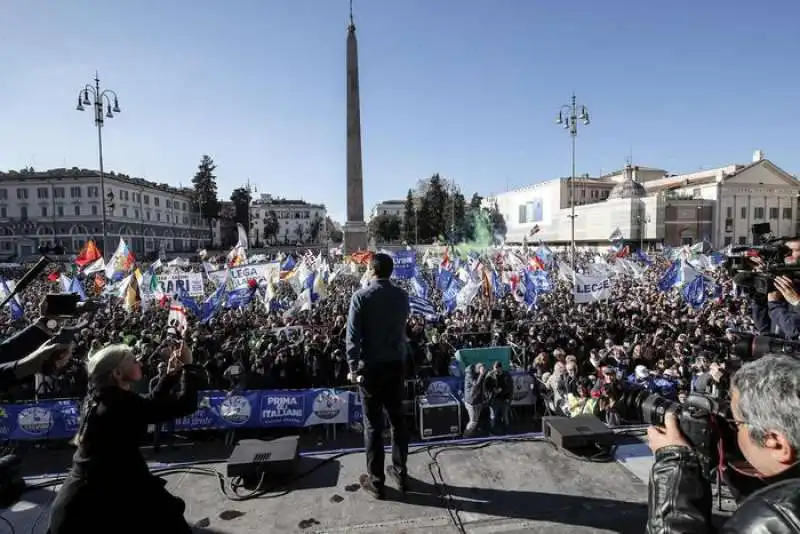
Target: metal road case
{"type": "Point", "coordinates": [439, 416]}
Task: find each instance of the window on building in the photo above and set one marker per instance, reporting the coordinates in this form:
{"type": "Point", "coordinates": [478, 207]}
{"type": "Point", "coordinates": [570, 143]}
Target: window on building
{"type": "Point", "coordinates": [696, 193]}
{"type": "Point", "coordinates": [156, 201]}
{"type": "Point", "coordinates": [58, 192]}
{"type": "Point", "coordinates": [23, 211]}
{"type": "Point", "coordinates": [22, 194]}
{"type": "Point", "coordinates": [124, 212]}
{"type": "Point", "coordinates": [147, 215]}
{"type": "Point", "coordinates": [93, 191]}
{"type": "Point", "coordinates": [60, 211]}
{"type": "Point", "coordinates": [169, 204]}
{"type": "Point", "coordinates": [729, 212]}
{"type": "Point", "coordinates": [183, 206]}
{"type": "Point", "coordinates": [773, 213]}
{"type": "Point", "coordinates": [758, 213]}
{"type": "Point", "coordinates": [94, 210]}
{"type": "Point", "coordinates": [728, 241]}
{"type": "Point", "coordinates": [158, 216]}
{"type": "Point", "coordinates": [147, 199]}
{"type": "Point", "coordinates": [3, 212]}
{"type": "Point", "coordinates": [78, 211]}
{"type": "Point", "coordinates": [44, 211]}
{"type": "Point", "coordinates": [42, 193]}
{"type": "Point", "coordinates": [523, 214]}
{"type": "Point", "coordinates": [787, 213]}
{"type": "Point", "coordinates": [3, 195]}
{"type": "Point", "coordinates": [743, 212]}
{"type": "Point", "coordinates": [742, 240]}
{"type": "Point", "coordinates": [135, 214]}
{"type": "Point", "coordinates": [75, 192]}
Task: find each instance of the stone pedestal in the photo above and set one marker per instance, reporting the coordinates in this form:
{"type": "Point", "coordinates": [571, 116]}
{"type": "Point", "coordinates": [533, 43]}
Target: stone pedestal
{"type": "Point", "coordinates": [355, 237]}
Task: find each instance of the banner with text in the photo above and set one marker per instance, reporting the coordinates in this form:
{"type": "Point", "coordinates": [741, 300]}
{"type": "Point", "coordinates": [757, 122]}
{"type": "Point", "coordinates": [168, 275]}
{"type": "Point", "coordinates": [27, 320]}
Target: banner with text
{"type": "Point", "coordinates": [240, 275]}
{"type": "Point", "coordinates": [405, 263]}
{"type": "Point", "coordinates": [171, 283]}
{"type": "Point", "coordinates": [586, 289]}
{"type": "Point", "coordinates": [224, 410]}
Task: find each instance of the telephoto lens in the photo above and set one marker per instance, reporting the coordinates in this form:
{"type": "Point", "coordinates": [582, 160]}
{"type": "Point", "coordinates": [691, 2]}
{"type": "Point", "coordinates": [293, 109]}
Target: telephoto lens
{"type": "Point", "coordinates": [641, 406]}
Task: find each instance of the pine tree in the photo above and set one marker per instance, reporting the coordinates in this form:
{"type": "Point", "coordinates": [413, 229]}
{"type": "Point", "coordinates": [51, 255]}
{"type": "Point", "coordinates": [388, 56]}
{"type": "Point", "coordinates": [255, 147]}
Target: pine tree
{"type": "Point", "coordinates": [205, 190]}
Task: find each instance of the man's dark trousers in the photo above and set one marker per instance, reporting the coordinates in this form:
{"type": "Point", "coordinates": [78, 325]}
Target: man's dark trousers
{"type": "Point", "coordinates": [382, 388]}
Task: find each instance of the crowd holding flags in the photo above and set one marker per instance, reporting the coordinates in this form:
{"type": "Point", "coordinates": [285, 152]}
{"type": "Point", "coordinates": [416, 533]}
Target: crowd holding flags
{"type": "Point", "coordinates": [461, 276]}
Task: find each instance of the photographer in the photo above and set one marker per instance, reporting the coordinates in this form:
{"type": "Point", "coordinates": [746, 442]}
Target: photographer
{"type": "Point", "coordinates": [109, 477]}
{"type": "Point", "coordinates": [765, 402]}
{"type": "Point", "coordinates": [778, 312]}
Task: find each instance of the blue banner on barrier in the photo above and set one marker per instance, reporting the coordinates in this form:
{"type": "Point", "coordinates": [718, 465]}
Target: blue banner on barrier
{"type": "Point", "coordinates": [221, 410]}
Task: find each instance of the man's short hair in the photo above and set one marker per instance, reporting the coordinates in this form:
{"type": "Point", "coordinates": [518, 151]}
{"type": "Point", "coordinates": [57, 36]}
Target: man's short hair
{"type": "Point", "coordinates": [382, 265]}
{"type": "Point", "coordinates": [769, 397]}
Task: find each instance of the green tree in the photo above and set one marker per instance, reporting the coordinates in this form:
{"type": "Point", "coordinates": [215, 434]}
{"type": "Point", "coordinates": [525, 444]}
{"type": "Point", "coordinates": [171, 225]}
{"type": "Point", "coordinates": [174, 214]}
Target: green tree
{"type": "Point", "coordinates": [476, 201]}
{"type": "Point", "coordinates": [410, 218]}
{"type": "Point", "coordinates": [386, 228]}
{"type": "Point", "coordinates": [456, 217]}
{"type": "Point", "coordinates": [205, 191]}
{"type": "Point", "coordinates": [241, 198]}
{"type": "Point", "coordinates": [315, 228]}
{"type": "Point", "coordinates": [497, 222]}
{"type": "Point", "coordinates": [432, 224]}
{"type": "Point", "coordinates": [271, 226]}
{"type": "Point", "coordinates": [334, 234]}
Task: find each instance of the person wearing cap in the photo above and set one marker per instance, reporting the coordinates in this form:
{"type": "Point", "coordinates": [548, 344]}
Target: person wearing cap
{"type": "Point", "coordinates": [109, 476]}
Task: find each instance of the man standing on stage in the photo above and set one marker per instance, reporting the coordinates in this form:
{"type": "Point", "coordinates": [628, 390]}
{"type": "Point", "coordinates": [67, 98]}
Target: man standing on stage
{"type": "Point", "coordinates": [376, 354]}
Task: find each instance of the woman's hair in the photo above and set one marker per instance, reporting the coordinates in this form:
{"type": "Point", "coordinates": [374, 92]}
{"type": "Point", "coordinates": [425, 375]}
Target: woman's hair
{"type": "Point", "coordinates": [101, 367]}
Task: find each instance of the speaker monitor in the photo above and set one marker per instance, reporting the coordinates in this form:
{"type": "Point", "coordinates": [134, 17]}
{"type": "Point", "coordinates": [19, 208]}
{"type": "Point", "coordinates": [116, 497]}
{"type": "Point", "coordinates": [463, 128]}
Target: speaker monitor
{"type": "Point", "coordinates": [576, 432]}
{"type": "Point", "coordinates": [253, 458]}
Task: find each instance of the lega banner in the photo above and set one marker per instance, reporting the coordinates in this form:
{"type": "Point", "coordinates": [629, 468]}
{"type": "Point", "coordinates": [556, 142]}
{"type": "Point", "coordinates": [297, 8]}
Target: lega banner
{"type": "Point", "coordinates": [239, 276]}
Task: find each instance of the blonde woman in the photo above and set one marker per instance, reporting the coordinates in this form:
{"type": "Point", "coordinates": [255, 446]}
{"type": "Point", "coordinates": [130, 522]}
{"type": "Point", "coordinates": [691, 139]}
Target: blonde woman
{"type": "Point", "coordinates": [110, 483]}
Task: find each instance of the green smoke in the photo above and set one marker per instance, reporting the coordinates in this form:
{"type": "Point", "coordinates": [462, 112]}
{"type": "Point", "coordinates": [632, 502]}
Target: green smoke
{"type": "Point", "coordinates": [483, 235]}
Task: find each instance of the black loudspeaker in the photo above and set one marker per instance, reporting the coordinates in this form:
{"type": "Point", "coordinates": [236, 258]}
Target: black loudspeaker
{"type": "Point", "coordinates": [579, 432]}
{"type": "Point", "coordinates": [253, 458]}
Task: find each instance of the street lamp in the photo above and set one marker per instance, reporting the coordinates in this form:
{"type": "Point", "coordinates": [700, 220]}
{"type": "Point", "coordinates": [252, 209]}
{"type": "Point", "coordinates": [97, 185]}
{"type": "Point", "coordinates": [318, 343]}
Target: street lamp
{"type": "Point", "coordinates": [568, 117]}
{"type": "Point", "coordinates": [91, 95]}
{"type": "Point", "coordinates": [643, 222]}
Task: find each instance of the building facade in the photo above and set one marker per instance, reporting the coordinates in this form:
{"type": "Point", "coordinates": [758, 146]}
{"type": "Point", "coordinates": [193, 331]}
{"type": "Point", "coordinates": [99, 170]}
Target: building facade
{"type": "Point", "coordinates": [653, 206]}
{"type": "Point", "coordinates": [63, 207]}
{"type": "Point", "coordinates": [391, 208]}
{"type": "Point", "coordinates": [285, 222]}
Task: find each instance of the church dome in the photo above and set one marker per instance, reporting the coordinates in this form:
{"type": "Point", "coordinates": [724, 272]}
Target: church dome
{"type": "Point", "coordinates": [627, 189]}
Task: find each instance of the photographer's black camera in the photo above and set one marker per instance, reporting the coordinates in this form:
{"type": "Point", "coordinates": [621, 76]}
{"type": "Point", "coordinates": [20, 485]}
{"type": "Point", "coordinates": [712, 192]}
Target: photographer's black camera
{"type": "Point", "coordinates": [741, 265]}
{"type": "Point", "coordinates": [701, 420]}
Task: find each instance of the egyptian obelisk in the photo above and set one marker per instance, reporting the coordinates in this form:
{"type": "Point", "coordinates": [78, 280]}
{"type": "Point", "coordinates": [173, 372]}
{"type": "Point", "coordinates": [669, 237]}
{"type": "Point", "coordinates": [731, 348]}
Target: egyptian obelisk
{"type": "Point", "coordinates": [355, 229]}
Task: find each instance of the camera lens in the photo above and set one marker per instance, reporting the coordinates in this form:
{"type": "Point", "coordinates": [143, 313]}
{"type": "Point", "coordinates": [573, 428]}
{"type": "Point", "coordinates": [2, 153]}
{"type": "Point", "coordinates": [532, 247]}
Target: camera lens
{"type": "Point", "coordinates": [638, 405]}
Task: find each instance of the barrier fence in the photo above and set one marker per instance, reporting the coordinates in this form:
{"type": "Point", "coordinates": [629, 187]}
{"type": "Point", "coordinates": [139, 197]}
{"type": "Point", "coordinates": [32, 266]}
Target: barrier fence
{"type": "Point", "coordinates": [226, 410]}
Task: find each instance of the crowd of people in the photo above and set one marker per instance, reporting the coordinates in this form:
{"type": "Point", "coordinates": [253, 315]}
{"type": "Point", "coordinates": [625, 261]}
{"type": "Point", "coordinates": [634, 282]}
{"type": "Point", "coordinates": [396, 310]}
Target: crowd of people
{"type": "Point", "coordinates": [582, 356]}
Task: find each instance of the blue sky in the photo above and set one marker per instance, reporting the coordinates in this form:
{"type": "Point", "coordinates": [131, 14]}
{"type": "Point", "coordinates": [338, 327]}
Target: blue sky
{"type": "Point", "coordinates": [465, 88]}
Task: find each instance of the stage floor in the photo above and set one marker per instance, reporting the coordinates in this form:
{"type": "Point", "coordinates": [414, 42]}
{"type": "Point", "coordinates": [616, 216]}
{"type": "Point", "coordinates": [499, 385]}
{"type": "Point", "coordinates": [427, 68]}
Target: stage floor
{"type": "Point", "coordinates": [501, 487]}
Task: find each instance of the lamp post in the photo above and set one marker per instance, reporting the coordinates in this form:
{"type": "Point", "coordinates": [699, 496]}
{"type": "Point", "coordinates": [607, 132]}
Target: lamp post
{"type": "Point", "coordinates": [643, 222]}
{"type": "Point", "coordinates": [568, 117]}
{"type": "Point", "coordinates": [92, 95]}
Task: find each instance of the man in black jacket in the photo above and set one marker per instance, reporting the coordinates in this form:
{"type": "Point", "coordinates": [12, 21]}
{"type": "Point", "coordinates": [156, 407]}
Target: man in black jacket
{"type": "Point", "coordinates": [765, 402]}
{"type": "Point", "coordinates": [376, 347]}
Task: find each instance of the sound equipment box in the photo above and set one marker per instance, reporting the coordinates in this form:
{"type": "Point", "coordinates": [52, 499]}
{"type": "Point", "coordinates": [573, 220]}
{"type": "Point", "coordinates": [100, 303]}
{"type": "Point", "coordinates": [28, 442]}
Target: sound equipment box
{"type": "Point", "coordinates": [439, 416]}
{"type": "Point", "coordinates": [252, 458]}
{"type": "Point", "coordinates": [576, 432]}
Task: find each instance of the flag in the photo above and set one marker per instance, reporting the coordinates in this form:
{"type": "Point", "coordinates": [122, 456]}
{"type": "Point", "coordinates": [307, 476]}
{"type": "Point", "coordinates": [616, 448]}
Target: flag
{"type": "Point", "coordinates": [535, 230]}
{"type": "Point", "coordinates": [121, 261]}
{"type": "Point", "coordinates": [695, 292]}
{"type": "Point", "coordinates": [88, 254]}
{"type": "Point", "coordinates": [422, 306]}
{"type": "Point", "coordinates": [17, 312]}
{"type": "Point", "coordinates": [671, 278]}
